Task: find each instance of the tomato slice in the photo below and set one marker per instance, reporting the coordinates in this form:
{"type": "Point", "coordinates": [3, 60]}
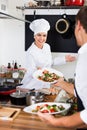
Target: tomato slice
{"type": "Point", "coordinates": [38, 107]}
{"type": "Point", "coordinates": [52, 110]}
{"type": "Point", "coordinates": [46, 105]}
{"type": "Point", "coordinates": [45, 111]}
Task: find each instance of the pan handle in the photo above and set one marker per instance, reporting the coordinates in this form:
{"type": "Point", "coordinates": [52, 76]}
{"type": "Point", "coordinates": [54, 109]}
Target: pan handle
{"type": "Point", "coordinates": [34, 14]}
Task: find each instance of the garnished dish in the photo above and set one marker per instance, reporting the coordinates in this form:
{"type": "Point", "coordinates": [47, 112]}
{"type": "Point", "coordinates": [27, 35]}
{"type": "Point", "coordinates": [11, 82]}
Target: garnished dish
{"type": "Point", "coordinates": [48, 107]}
{"type": "Point", "coordinates": [47, 75]}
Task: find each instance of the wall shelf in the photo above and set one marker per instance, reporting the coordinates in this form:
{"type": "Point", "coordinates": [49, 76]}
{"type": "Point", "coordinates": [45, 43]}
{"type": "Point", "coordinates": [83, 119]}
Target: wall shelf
{"type": "Point", "coordinates": [50, 7]}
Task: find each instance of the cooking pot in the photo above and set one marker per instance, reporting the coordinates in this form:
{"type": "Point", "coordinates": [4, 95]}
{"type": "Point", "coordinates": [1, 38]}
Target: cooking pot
{"type": "Point", "coordinates": [29, 98]}
{"type": "Point", "coordinates": [62, 25]}
{"type": "Point", "coordinates": [7, 89]}
{"type": "Point", "coordinates": [18, 98]}
{"type": "Point", "coordinates": [34, 97]}
{"type": "Point", "coordinates": [74, 2]}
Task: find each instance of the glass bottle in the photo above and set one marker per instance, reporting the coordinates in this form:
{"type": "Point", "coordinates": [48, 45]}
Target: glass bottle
{"type": "Point", "coordinates": [15, 65]}
{"type": "Point", "coordinates": [62, 2]}
{"type": "Point", "coordinates": [9, 65]}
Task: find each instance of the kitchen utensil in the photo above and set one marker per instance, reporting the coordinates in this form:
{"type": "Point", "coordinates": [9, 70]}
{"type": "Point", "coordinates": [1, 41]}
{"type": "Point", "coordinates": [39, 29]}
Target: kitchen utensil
{"type": "Point", "coordinates": [43, 3]}
{"type": "Point", "coordinates": [34, 97]}
{"type": "Point", "coordinates": [7, 89]}
{"type": "Point", "coordinates": [18, 98]}
{"type": "Point", "coordinates": [7, 113]}
{"type": "Point", "coordinates": [62, 25]}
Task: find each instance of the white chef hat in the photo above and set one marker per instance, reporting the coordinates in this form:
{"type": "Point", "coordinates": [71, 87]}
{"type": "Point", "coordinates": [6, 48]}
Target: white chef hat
{"type": "Point", "coordinates": [39, 25]}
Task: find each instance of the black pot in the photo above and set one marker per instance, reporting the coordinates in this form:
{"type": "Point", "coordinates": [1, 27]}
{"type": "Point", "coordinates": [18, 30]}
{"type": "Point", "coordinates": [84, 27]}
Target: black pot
{"type": "Point", "coordinates": [18, 98]}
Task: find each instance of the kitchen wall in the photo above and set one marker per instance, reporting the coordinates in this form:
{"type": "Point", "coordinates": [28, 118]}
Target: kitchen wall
{"type": "Point", "coordinates": [12, 45]}
{"type": "Point", "coordinates": [12, 35]}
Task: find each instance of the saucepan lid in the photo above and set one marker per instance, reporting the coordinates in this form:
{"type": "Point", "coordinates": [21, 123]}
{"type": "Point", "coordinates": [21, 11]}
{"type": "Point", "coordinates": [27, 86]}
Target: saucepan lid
{"type": "Point", "coordinates": [18, 94]}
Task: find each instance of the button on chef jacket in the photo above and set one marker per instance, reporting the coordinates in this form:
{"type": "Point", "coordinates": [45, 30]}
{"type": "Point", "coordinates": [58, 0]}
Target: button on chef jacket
{"type": "Point", "coordinates": [81, 79]}
{"type": "Point", "coordinates": [38, 58]}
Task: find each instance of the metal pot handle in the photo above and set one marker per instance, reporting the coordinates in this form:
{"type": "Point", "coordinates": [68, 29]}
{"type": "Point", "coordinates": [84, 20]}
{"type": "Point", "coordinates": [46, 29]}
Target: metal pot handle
{"type": "Point", "coordinates": [30, 90]}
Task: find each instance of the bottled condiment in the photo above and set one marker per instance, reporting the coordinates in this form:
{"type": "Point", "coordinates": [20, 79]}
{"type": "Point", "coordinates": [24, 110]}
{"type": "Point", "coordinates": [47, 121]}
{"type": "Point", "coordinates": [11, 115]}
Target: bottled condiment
{"type": "Point", "coordinates": [62, 2]}
{"type": "Point", "coordinates": [9, 65]}
{"type": "Point", "coordinates": [15, 65]}
{"type": "Point", "coordinates": [9, 71]}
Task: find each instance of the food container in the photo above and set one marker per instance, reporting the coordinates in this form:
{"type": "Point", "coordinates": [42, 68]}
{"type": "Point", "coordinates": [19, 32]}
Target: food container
{"type": "Point", "coordinates": [74, 2]}
{"type": "Point", "coordinates": [2, 71]}
{"type": "Point", "coordinates": [34, 97]}
{"type": "Point", "coordinates": [43, 3]}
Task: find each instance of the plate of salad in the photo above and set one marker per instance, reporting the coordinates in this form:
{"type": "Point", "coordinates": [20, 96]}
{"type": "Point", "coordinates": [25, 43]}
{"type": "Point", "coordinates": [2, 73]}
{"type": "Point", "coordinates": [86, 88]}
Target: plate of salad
{"type": "Point", "coordinates": [49, 75]}
{"type": "Point", "coordinates": [48, 107]}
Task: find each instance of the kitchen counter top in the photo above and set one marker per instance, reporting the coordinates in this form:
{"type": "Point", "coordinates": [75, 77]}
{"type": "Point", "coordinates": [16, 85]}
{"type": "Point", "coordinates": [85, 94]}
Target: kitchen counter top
{"type": "Point", "coordinates": [25, 121]}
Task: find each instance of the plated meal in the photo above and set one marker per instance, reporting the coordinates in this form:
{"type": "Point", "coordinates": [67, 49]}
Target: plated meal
{"type": "Point", "coordinates": [47, 75]}
{"type": "Point", "coordinates": [48, 107]}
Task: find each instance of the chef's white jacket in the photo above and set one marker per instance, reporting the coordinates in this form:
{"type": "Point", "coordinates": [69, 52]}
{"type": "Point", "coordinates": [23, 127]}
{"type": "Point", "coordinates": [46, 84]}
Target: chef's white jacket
{"type": "Point", "coordinates": [39, 58]}
{"type": "Point", "coordinates": [81, 79]}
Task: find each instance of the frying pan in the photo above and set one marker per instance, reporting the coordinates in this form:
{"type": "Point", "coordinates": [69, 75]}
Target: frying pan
{"type": "Point", "coordinates": [62, 25]}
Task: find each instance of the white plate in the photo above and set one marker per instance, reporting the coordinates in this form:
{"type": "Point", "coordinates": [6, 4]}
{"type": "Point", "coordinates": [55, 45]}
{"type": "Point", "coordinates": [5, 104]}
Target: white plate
{"type": "Point", "coordinates": [32, 107]}
{"type": "Point", "coordinates": [39, 73]}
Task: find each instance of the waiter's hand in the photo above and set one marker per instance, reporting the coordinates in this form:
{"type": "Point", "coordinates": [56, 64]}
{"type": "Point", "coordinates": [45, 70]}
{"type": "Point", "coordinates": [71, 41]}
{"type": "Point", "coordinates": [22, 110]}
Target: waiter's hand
{"type": "Point", "coordinates": [47, 118]}
{"type": "Point", "coordinates": [59, 82]}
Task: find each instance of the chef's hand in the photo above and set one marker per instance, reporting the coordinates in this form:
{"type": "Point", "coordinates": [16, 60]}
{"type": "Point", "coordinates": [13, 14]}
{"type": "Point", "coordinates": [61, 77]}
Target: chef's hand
{"type": "Point", "coordinates": [39, 68]}
{"type": "Point", "coordinates": [70, 58]}
{"type": "Point", "coordinates": [59, 82]}
{"type": "Point", "coordinates": [47, 118]}
{"type": "Point", "coordinates": [22, 89]}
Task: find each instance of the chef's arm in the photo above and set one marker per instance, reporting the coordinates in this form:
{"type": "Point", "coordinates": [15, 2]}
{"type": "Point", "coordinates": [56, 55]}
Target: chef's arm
{"type": "Point", "coordinates": [68, 87]}
{"type": "Point", "coordinates": [63, 59]}
{"type": "Point", "coordinates": [59, 60]}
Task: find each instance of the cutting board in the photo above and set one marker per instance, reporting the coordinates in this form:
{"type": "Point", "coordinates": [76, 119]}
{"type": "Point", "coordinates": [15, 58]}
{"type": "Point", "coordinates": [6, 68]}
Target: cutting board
{"type": "Point", "coordinates": [8, 113]}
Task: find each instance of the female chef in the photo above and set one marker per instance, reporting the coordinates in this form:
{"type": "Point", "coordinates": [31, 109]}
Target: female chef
{"type": "Point", "coordinates": [39, 55]}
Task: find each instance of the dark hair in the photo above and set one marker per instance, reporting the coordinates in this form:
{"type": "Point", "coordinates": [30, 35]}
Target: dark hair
{"type": "Point", "coordinates": [82, 17]}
